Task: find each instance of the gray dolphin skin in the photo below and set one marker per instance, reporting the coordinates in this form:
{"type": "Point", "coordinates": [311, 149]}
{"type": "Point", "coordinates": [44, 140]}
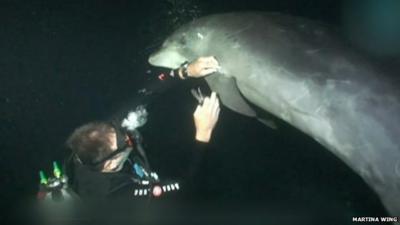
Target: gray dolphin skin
{"type": "Point", "coordinates": [299, 71]}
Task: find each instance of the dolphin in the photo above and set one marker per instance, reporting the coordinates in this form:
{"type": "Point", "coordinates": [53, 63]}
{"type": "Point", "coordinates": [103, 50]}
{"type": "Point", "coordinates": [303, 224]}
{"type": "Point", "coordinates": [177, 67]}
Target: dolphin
{"type": "Point", "coordinates": [304, 74]}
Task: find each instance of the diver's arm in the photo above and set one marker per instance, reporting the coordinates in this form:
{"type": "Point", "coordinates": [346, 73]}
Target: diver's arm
{"type": "Point", "coordinates": [205, 118]}
{"type": "Point", "coordinates": [199, 150]}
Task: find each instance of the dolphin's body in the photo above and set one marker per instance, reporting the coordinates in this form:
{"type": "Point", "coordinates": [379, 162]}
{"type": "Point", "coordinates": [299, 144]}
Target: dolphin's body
{"type": "Point", "coordinates": [296, 70]}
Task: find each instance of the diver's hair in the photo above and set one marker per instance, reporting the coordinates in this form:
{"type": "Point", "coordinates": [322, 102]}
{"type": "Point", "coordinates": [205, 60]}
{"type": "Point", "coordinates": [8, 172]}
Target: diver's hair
{"type": "Point", "coordinates": [91, 142]}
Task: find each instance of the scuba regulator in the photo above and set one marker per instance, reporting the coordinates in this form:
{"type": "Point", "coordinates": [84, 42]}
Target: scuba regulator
{"type": "Point", "coordinates": [150, 183]}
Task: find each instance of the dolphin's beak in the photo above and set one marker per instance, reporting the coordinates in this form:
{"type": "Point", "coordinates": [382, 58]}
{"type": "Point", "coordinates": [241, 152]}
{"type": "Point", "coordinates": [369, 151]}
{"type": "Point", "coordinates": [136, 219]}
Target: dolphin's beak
{"type": "Point", "coordinates": [153, 59]}
{"type": "Point", "coordinates": [166, 57]}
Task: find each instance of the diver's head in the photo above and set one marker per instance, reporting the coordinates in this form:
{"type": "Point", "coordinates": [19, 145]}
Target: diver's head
{"type": "Point", "coordinates": [101, 146]}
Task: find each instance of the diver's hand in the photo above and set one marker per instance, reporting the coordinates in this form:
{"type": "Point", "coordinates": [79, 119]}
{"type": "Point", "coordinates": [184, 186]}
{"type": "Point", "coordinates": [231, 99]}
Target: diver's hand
{"type": "Point", "coordinates": [202, 66]}
{"type": "Point", "coordinates": [206, 117]}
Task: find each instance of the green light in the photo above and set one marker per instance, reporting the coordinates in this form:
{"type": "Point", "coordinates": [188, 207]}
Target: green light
{"type": "Point", "coordinates": [56, 170]}
{"type": "Point", "coordinates": [43, 179]}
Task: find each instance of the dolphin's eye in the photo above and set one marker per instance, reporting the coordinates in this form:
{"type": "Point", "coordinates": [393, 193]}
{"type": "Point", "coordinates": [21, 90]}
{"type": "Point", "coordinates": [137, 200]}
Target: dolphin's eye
{"type": "Point", "coordinates": [182, 40]}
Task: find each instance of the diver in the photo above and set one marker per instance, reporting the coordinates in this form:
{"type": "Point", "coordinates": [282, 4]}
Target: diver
{"type": "Point", "coordinates": [108, 160]}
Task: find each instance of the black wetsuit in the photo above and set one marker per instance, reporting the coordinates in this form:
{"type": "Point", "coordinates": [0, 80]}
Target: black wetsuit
{"type": "Point", "coordinates": [93, 185]}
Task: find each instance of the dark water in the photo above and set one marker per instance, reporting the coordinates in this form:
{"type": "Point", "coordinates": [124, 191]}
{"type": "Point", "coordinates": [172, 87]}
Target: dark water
{"type": "Point", "coordinates": [64, 63]}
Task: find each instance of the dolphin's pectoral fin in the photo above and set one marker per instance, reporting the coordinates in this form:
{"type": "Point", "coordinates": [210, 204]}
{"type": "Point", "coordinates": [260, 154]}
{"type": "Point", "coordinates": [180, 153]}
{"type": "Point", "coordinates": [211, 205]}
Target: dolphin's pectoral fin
{"type": "Point", "coordinates": [231, 97]}
{"type": "Point", "coordinates": [229, 94]}
{"type": "Point", "coordinates": [269, 123]}
{"type": "Point", "coordinates": [265, 117]}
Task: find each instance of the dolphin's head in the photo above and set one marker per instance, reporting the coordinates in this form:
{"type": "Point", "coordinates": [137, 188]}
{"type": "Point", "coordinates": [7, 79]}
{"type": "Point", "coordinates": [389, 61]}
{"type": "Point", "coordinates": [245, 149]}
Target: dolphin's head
{"type": "Point", "coordinates": [186, 44]}
{"type": "Point", "coordinates": [170, 55]}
